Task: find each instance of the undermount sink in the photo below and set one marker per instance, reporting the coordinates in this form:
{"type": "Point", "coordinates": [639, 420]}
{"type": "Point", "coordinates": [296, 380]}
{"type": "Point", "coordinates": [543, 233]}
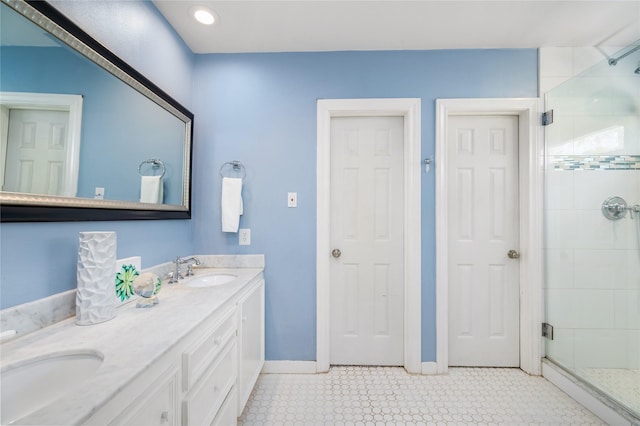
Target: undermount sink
{"type": "Point", "coordinates": [211, 280]}
{"type": "Point", "coordinates": [30, 385]}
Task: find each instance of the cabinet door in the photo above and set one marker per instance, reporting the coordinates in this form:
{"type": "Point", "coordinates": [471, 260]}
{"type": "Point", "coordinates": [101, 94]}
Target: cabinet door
{"type": "Point", "coordinates": [251, 342]}
{"type": "Point", "coordinates": [227, 414]}
{"type": "Point", "coordinates": [157, 406]}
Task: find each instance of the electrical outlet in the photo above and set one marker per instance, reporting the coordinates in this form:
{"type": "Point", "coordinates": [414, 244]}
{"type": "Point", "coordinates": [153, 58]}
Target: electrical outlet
{"type": "Point", "coordinates": [244, 237]}
{"type": "Point", "coordinates": [292, 199]}
{"type": "Point", "coordinates": [99, 194]}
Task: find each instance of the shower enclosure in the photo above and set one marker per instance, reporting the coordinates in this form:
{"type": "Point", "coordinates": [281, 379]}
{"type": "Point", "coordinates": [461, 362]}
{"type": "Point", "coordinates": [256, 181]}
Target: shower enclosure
{"type": "Point", "coordinates": [592, 226]}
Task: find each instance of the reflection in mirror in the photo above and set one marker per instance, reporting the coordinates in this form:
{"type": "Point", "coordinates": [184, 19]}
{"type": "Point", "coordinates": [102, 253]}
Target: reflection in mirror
{"type": "Point", "coordinates": [40, 142]}
{"type": "Point", "coordinates": [78, 133]}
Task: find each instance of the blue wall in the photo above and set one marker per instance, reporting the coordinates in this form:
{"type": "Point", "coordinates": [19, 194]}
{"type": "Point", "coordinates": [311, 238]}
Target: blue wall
{"type": "Point", "coordinates": [261, 109]}
{"type": "Point", "coordinates": [38, 260]}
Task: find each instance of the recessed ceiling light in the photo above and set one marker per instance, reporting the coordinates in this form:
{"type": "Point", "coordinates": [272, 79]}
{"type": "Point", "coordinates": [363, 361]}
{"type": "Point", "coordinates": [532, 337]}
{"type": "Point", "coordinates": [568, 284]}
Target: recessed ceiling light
{"type": "Point", "coordinates": [204, 16]}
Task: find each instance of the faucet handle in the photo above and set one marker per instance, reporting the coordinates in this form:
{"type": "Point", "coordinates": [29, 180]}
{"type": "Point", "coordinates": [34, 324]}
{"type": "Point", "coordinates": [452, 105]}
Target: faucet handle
{"type": "Point", "coordinates": [172, 277]}
{"type": "Point", "coordinates": [189, 270]}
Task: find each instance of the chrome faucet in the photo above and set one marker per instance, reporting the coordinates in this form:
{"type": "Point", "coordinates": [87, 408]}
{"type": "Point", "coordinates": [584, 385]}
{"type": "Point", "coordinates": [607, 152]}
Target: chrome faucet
{"type": "Point", "coordinates": [177, 275]}
{"type": "Point", "coordinates": [190, 262]}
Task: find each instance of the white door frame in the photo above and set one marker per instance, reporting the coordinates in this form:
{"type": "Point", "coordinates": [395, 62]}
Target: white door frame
{"type": "Point", "coordinates": [410, 110]}
{"type": "Point", "coordinates": [55, 102]}
{"type": "Point", "coordinates": [531, 151]}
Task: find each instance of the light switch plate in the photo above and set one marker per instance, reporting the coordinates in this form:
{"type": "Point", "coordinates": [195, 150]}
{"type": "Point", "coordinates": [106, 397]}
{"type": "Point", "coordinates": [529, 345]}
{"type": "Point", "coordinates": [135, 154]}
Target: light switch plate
{"type": "Point", "coordinates": [292, 199]}
{"type": "Point", "coordinates": [244, 237]}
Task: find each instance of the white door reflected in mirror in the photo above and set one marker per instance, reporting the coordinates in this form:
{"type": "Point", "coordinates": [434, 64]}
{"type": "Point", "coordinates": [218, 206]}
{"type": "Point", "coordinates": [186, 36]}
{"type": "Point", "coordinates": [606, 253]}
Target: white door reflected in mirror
{"type": "Point", "coordinates": [40, 143]}
{"type": "Point", "coordinates": [36, 151]}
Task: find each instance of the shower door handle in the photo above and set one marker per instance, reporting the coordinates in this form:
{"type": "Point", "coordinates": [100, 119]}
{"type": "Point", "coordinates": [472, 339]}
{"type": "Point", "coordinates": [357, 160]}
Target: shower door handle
{"type": "Point", "coordinates": [513, 254]}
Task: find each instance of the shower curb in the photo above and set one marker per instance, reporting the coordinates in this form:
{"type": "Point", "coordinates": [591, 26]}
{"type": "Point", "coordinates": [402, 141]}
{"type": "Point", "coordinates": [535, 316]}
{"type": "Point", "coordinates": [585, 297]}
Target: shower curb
{"type": "Point", "coordinates": [592, 399]}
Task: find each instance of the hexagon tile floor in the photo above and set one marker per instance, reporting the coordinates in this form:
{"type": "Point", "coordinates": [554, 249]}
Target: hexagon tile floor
{"type": "Point", "coordinates": [622, 384]}
{"type": "Point", "coordinates": [389, 396]}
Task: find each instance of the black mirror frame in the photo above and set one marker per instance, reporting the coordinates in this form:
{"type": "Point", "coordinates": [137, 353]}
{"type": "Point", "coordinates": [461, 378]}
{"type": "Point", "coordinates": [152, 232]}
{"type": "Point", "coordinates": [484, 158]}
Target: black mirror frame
{"type": "Point", "coordinates": [34, 212]}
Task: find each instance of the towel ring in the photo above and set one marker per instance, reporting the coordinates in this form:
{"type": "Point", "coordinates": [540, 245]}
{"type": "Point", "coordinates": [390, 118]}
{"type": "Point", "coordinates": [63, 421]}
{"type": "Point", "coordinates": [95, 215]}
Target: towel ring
{"type": "Point", "coordinates": [156, 163]}
{"type": "Point", "coordinates": [235, 167]}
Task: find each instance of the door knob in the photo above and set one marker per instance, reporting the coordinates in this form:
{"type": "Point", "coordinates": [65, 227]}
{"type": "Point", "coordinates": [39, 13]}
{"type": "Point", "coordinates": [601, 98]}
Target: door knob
{"type": "Point", "coordinates": [336, 253]}
{"type": "Point", "coordinates": [513, 254]}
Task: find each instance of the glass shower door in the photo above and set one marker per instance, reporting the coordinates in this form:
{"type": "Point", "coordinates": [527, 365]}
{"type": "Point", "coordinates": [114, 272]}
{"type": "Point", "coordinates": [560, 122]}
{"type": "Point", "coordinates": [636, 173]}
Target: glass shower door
{"type": "Point", "coordinates": [592, 276]}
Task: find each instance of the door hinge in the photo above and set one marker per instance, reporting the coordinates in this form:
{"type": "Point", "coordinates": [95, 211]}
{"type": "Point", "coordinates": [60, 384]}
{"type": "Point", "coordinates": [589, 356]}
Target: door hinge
{"type": "Point", "coordinates": [547, 118]}
{"type": "Point", "coordinates": [547, 331]}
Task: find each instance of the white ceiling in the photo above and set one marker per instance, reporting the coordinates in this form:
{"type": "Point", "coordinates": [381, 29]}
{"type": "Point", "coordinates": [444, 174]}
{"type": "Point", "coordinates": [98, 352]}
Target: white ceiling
{"type": "Point", "coordinates": [323, 25]}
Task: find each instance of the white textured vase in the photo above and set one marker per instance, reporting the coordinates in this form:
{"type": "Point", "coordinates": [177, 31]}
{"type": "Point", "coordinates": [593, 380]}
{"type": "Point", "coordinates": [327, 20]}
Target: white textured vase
{"type": "Point", "coordinates": [95, 297]}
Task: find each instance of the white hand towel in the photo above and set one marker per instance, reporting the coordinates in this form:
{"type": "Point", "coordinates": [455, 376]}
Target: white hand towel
{"type": "Point", "coordinates": [151, 190]}
{"type": "Point", "coordinates": [231, 204]}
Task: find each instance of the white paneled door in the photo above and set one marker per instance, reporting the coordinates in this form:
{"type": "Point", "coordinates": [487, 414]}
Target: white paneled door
{"type": "Point", "coordinates": [367, 285]}
{"type": "Point", "coordinates": [36, 151]}
{"type": "Point", "coordinates": [483, 229]}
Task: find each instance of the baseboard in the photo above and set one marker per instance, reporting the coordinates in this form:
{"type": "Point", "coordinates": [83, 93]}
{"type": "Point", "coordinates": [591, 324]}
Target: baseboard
{"type": "Point", "coordinates": [309, 367]}
{"type": "Point", "coordinates": [289, 367]}
{"type": "Point", "coordinates": [429, 368]}
{"type": "Point", "coordinates": [583, 396]}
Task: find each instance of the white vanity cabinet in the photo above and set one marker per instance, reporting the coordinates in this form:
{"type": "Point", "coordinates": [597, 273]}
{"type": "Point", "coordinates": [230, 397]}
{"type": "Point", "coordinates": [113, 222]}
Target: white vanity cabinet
{"type": "Point", "coordinates": [191, 361]}
{"type": "Point", "coordinates": [250, 309]}
{"type": "Point", "coordinates": [196, 384]}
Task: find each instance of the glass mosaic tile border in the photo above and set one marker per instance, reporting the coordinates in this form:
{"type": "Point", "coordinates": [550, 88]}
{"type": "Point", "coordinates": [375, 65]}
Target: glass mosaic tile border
{"type": "Point", "coordinates": [594, 162]}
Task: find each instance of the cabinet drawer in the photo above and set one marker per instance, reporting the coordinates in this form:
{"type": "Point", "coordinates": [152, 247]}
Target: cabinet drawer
{"type": "Point", "coordinates": [206, 398]}
{"type": "Point", "coordinates": [198, 357]}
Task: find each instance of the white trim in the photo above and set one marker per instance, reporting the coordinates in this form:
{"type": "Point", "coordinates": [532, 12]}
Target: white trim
{"type": "Point", "coordinates": [56, 102]}
{"type": "Point", "coordinates": [429, 368]}
{"type": "Point", "coordinates": [531, 230]}
{"type": "Point", "coordinates": [289, 367]}
{"type": "Point", "coordinates": [410, 110]}
{"type": "Point", "coordinates": [4, 140]}
{"type": "Point", "coordinates": [569, 386]}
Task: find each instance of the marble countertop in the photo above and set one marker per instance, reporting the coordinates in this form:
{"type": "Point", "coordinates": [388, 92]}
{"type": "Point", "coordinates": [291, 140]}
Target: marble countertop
{"type": "Point", "coordinates": [130, 343]}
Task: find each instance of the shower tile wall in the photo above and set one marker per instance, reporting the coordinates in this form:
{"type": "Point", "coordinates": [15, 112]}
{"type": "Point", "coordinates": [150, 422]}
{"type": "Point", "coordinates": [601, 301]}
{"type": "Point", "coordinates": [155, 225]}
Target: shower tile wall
{"type": "Point", "coordinates": [592, 264]}
{"type": "Point", "coordinates": [559, 64]}
{"type": "Point", "coordinates": [593, 271]}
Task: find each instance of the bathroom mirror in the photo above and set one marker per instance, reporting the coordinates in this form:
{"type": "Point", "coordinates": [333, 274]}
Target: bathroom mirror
{"type": "Point", "coordinates": [109, 125]}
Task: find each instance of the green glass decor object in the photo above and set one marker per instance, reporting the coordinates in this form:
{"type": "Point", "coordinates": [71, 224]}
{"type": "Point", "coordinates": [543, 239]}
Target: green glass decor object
{"type": "Point", "coordinates": [124, 281]}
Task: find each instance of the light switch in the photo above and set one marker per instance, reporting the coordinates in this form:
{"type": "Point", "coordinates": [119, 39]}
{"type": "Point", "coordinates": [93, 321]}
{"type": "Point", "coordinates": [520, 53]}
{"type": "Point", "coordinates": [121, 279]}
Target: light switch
{"type": "Point", "coordinates": [292, 199]}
